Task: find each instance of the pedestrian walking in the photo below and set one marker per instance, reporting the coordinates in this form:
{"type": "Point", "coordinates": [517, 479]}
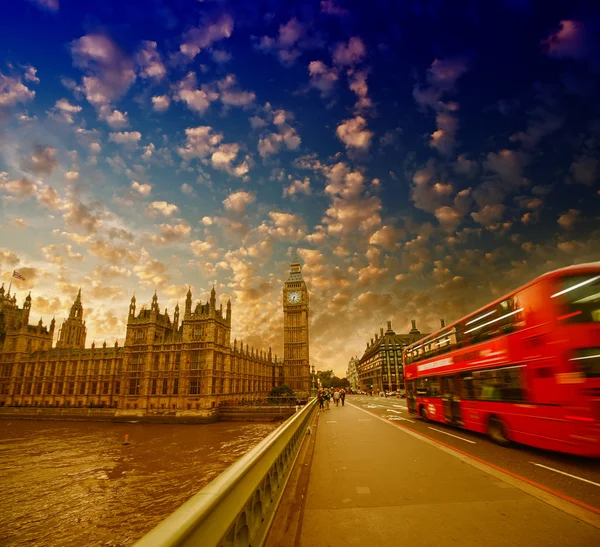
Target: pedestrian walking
{"type": "Point", "coordinates": [336, 397]}
{"type": "Point", "coordinates": [327, 398]}
{"type": "Point", "coordinates": [321, 398]}
{"type": "Point", "coordinates": [343, 396]}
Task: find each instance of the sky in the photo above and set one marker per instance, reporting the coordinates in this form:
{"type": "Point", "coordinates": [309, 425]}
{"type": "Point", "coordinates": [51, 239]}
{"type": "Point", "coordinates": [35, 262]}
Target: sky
{"type": "Point", "coordinates": [423, 157]}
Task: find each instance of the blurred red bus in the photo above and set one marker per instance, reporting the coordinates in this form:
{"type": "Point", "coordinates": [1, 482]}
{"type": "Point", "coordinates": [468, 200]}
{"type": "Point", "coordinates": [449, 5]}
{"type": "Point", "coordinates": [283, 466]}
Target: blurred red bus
{"type": "Point", "coordinates": [525, 368]}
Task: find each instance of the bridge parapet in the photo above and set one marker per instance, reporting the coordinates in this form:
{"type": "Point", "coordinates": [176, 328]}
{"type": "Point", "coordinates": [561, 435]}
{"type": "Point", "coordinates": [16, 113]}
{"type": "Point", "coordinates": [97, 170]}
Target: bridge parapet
{"type": "Point", "coordinates": [237, 508]}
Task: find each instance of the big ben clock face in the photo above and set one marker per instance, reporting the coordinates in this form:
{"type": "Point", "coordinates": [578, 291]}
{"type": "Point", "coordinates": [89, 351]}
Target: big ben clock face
{"type": "Point", "coordinates": [294, 297]}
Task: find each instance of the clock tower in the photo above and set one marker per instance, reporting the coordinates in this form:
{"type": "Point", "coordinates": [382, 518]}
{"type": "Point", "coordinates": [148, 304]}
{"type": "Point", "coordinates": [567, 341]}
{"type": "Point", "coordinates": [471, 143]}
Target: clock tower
{"type": "Point", "coordinates": [295, 331]}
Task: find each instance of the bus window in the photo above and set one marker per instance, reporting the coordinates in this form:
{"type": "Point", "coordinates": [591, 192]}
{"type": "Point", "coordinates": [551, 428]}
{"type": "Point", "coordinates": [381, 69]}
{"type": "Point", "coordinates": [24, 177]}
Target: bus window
{"type": "Point", "coordinates": [500, 384]}
{"type": "Point", "coordinates": [467, 391]}
{"type": "Point", "coordinates": [580, 297]}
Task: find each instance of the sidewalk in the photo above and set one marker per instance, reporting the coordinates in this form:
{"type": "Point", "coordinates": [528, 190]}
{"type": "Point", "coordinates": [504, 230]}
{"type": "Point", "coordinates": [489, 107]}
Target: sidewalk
{"type": "Point", "coordinates": [373, 484]}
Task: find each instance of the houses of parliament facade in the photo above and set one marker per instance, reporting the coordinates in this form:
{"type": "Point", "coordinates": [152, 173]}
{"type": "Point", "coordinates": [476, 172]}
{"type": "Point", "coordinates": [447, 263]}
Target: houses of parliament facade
{"type": "Point", "coordinates": [186, 362]}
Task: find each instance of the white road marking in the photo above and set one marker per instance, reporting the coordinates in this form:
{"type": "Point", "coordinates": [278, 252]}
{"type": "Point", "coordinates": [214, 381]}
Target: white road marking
{"type": "Point", "coordinates": [392, 410]}
{"type": "Point", "coordinates": [450, 434]}
{"type": "Point", "coordinates": [400, 406]}
{"type": "Point", "coordinates": [396, 418]}
{"type": "Point", "coordinates": [567, 474]}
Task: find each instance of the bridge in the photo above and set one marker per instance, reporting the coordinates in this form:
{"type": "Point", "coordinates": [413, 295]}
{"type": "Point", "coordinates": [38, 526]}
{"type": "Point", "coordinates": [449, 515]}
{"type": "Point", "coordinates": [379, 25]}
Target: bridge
{"type": "Point", "coordinates": [368, 474]}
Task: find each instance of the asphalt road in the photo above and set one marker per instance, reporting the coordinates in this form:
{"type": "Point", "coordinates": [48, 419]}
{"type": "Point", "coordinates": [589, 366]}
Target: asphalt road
{"type": "Point", "coordinates": [572, 477]}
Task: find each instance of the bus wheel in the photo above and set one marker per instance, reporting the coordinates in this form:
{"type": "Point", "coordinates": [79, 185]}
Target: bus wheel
{"type": "Point", "coordinates": [498, 431]}
{"type": "Point", "coordinates": [423, 413]}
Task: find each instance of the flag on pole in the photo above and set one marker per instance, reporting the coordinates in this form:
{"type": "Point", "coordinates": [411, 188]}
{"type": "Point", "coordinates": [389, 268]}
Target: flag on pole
{"type": "Point", "coordinates": [18, 275]}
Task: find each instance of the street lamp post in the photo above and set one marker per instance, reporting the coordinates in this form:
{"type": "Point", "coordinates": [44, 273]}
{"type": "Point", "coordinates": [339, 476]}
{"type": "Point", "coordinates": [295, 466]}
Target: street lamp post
{"type": "Point", "coordinates": [313, 391]}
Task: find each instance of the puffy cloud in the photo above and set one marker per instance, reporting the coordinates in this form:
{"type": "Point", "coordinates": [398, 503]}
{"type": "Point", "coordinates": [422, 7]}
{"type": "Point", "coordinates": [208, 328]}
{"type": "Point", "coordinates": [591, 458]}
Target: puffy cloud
{"type": "Point", "coordinates": [322, 77]}
{"type": "Point", "coordinates": [160, 103]}
{"type": "Point", "coordinates": [13, 91]}
{"type": "Point", "coordinates": [126, 137]}
{"type": "Point", "coordinates": [237, 202]}
{"type": "Point", "coordinates": [198, 100]}
{"type": "Point", "coordinates": [198, 38]}
{"type": "Point", "coordinates": [571, 41]}
{"type": "Point", "coordinates": [65, 111]}
{"type": "Point", "coordinates": [149, 61]}
{"type": "Point", "coordinates": [148, 152]}
{"type": "Point", "coordinates": [114, 118]}
{"type": "Point", "coordinates": [112, 253]}
{"type": "Point", "coordinates": [568, 220]}
{"type": "Point", "coordinates": [231, 95]}
{"type": "Point", "coordinates": [42, 160]}
{"type": "Point", "coordinates": [187, 190]}
{"type": "Point", "coordinates": [387, 237]}
{"type": "Point", "coordinates": [81, 215]}
{"type": "Point", "coordinates": [72, 175]}
{"type": "Point", "coordinates": [298, 187]}
{"type": "Point", "coordinates": [161, 207]}
{"type": "Point", "coordinates": [110, 72]}
{"type": "Point", "coordinates": [141, 189]}
{"type": "Point", "coordinates": [49, 197]}
{"type": "Point", "coordinates": [489, 214]}
{"type": "Point", "coordinates": [290, 42]}
{"type": "Point", "coordinates": [349, 54]}
{"type": "Point", "coordinates": [151, 272]}
{"type": "Point", "coordinates": [444, 137]}
{"type": "Point", "coordinates": [442, 77]}
{"type": "Point", "coordinates": [8, 259]}
{"type": "Point", "coordinates": [174, 232]}
{"type": "Point", "coordinates": [357, 81]}
{"type": "Point", "coordinates": [354, 133]}
{"type": "Point", "coordinates": [508, 165]}
{"type": "Point", "coordinates": [205, 144]}
{"type": "Point", "coordinates": [19, 188]}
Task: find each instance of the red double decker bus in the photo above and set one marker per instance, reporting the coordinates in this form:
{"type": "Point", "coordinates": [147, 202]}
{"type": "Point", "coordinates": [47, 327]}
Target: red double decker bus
{"type": "Point", "coordinates": [525, 368]}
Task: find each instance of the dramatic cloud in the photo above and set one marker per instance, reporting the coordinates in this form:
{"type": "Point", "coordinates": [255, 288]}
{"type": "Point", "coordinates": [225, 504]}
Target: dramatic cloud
{"type": "Point", "coordinates": [13, 91]}
{"type": "Point", "coordinates": [65, 111]}
{"type": "Point", "coordinates": [149, 61]}
{"type": "Point", "coordinates": [571, 41]}
{"type": "Point", "coordinates": [109, 72]}
{"type": "Point", "coordinates": [349, 54]}
{"type": "Point", "coordinates": [198, 38]}
{"type": "Point", "coordinates": [160, 103]}
{"type": "Point", "coordinates": [322, 77]}
{"type": "Point", "coordinates": [161, 207]}
{"type": "Point", "coordinates": [126, 137]}
{"type": "Point", "coordinates": [290, 42]}
{"type": "Point", "coordinates": [42, 160]}
{"type": "Point", "coordinates": [238, 202]}
{"type": "Point", "coordinates": [354, 133]}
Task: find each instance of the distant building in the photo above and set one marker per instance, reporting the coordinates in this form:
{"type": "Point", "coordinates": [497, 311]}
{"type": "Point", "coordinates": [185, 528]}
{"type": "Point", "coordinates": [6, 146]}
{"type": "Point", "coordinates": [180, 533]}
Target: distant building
{"type": "Point", "coordinates": [183, 363]}
{"type": "Point", "coordinates": [380, 368]}
{"type": "Point", "coordinates": [352, 373]}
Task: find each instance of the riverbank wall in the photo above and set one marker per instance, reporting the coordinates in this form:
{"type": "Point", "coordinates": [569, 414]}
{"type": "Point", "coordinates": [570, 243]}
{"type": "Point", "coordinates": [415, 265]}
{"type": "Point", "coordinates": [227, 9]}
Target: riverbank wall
{"type": "Point", "coordinates": [228, 414]}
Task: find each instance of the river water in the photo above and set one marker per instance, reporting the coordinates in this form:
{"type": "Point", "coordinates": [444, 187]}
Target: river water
{"type": "Point", "coordinates": [73, 484]}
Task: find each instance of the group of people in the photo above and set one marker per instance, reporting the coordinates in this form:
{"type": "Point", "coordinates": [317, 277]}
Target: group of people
{"type": "Point", "coordinates": [326, 396]}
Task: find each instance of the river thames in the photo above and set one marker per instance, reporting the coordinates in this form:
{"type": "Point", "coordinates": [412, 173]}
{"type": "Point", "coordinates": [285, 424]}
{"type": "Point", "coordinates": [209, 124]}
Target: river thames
{"type": "Point", "coordinates": [73, 483]}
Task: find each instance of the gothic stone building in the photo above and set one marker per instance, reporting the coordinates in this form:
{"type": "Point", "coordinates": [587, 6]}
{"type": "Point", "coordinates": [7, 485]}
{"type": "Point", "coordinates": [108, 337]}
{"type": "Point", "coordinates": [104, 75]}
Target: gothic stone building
{"type": "Point", "coordinates": [186, 363]}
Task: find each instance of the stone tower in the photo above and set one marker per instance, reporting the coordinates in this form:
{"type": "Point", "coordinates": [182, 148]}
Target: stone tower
{"type": "Point", "coordinates": [295, 331]}
{"type": "Point", "coordinates": [73, 331]}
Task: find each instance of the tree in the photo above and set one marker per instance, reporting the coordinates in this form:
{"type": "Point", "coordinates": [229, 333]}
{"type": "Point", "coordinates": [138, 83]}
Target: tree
{"type": "Point", "coordinates": [329, 379]}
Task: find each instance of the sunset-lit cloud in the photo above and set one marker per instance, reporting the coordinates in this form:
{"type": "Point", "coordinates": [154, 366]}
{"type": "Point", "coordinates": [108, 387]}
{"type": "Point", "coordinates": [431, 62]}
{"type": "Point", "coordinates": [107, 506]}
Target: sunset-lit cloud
{"type": "Point", "coordinates": [416, 176]}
